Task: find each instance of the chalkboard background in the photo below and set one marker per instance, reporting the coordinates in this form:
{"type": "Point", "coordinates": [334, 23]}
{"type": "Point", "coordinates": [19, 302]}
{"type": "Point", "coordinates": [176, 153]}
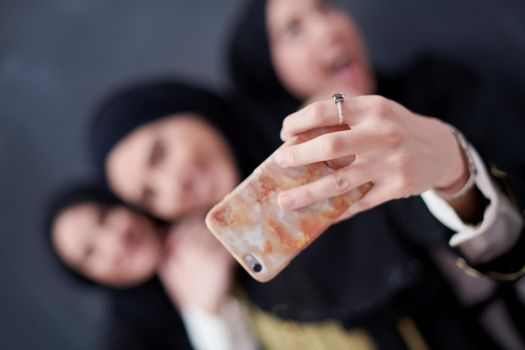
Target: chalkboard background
{"type": "Point", "coordinates": [58, 57]}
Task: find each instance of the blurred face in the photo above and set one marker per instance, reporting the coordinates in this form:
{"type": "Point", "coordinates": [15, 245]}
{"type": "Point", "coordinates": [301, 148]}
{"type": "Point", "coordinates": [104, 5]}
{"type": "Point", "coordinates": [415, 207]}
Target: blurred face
{"type": "Point", "coordinates": [114, 246]}
{"type": "Point", "coordinates": [316, 48]}
{"type": "Point", "coordinates": [172, 166]}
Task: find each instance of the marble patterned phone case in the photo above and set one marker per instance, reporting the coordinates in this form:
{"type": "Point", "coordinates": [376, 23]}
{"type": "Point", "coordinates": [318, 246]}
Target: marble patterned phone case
{"type": "Point", "coordinates": [261, 236]}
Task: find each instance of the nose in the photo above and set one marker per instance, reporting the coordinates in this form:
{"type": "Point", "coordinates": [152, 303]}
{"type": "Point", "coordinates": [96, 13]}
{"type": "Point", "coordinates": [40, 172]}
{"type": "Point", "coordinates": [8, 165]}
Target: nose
{"type": "Point", "coordinates": [178, 177]}
{"type": "Point", "coordinates": [112, 246]}
{"type": "Point", "coordinates": [171, 183]}
{"type": "Point", "coordinates": [114, 240]}
{"type": "Point", "coordinates": [173, 186]}
{"type": "Point", "coordinates": [120, 223]}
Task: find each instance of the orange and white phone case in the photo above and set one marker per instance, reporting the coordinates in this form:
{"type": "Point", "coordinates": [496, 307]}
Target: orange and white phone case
{"type": "Point", "coordinates": [261, 236]}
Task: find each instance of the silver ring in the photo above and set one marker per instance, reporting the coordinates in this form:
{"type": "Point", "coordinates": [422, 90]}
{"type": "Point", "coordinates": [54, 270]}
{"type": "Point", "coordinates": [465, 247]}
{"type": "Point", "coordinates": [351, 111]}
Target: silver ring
{"type": "Point", "coordinates": [338, 98]}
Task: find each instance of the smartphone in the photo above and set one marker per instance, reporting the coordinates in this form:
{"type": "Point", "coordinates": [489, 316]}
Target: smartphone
{"type": "Point", "coordinates": [260, 235]}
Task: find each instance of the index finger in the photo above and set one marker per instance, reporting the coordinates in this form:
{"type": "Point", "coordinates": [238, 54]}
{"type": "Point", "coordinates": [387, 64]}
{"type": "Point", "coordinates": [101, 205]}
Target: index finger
{"type": "Point", "coordinates": [321, 114]}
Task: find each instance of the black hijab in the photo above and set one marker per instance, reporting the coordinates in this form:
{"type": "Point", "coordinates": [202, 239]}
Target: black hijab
{"type": "Point", "coordinates": [142, 103]}
{"type": "Point", "coordinates": [144, 318]}
{"type": "Point", "coordinates": [250, 63]}
{"type": "Point", "coordinates": [257, 89]}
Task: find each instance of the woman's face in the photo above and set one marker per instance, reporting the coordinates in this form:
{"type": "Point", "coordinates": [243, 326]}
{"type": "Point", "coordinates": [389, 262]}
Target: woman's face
{"type": "Point", "coordinates": [114, 246]}
{"type": "Point", "coordinates": [317, 48]}
{"type": "Point", "coordinates": [172, 166]}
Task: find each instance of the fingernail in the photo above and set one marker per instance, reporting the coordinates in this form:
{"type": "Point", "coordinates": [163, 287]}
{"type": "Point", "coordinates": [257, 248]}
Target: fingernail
{"type": "Point", "coordinates": [286, 201]}
{"type": "Point", "coordinates": [283, 136]}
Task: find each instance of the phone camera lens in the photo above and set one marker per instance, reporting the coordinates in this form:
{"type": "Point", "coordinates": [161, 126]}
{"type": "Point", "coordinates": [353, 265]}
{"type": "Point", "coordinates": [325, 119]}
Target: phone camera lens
{"type": "Point", "coordinates": [252, 262]}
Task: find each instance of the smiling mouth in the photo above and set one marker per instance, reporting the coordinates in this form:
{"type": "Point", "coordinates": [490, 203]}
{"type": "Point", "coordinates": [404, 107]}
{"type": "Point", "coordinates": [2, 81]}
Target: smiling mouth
{"type": "Point", "coordinates": [339, 64]}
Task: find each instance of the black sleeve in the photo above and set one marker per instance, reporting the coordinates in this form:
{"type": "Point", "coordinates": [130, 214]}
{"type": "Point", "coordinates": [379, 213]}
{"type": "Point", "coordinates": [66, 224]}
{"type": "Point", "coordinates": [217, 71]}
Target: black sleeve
{"type": "Point", "coordinates": [144, 318]}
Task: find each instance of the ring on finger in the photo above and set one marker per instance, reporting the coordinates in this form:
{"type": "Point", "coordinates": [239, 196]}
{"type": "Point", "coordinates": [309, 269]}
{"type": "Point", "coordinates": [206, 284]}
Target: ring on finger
{"type": "Point", "coordinates": [338, 98]}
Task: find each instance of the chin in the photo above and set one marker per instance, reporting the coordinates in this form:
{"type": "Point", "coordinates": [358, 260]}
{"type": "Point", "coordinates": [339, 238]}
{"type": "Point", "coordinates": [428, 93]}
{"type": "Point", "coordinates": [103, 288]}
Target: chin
{"type": "Point", "coordinates": [144, 272]}
{"type": "Point", "coordinates": [128, 282]}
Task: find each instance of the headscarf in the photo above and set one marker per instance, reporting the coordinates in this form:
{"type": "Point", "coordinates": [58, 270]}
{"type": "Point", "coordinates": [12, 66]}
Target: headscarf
{"type": "Point", "coordinates": [257, 89]}
{"type": "Point", "coordinates": [250, 62]}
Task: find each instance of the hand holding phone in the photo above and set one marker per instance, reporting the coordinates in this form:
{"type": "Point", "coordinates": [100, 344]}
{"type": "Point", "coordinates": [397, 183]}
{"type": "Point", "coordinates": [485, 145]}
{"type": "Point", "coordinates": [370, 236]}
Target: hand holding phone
{"type": "Point", "coordinates": [262, 236]}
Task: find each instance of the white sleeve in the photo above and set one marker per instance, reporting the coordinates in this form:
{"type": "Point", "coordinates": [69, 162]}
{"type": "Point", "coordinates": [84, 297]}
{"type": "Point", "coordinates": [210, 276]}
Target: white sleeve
{"type": "Point", "coordinates": [496, 234]}
{"type": "Point", "coordinates": [230, 329]}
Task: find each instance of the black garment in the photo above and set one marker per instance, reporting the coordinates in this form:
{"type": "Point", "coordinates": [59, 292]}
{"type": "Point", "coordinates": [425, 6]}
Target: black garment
{"type": "Point", "coordinates": [144, 318]}
{"type": "Point", "coordinates": [515, 305]}
{"type": "Point", "coordinates": [375, 268]}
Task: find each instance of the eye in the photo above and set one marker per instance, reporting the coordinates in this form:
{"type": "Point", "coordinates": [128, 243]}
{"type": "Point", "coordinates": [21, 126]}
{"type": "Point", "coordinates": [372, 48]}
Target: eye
{"type": "Point", "coordinates": [103, 214]}
{"type": "Point", "coordinates": [292, 29]}
{"type": "Point", "coordinates": [156, 154]}
{"type": "Point", "coordinates": [326, 7]}
{"type": "Point", "coordinates": [89, 252]}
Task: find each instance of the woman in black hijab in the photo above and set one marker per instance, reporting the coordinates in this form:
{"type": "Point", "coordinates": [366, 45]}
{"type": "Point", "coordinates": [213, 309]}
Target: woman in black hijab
{"type": "Point", "coordinates": [374, 269]}
{"type": "Point", "coordinates": [142, 316]}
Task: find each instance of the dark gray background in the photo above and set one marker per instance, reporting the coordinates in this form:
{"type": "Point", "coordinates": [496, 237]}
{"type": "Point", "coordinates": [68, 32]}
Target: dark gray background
{"type": "Point", "coordinates": [58, 57]}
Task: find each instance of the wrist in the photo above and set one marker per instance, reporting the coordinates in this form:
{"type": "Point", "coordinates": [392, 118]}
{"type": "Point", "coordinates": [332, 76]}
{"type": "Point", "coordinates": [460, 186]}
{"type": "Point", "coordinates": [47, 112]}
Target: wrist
{"type": "Point", "coordinates": [455, 185]}
{"type": "Point", "coordinates": [466, 181]}
{"type": "Point", "coordinates": [458, 172]}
